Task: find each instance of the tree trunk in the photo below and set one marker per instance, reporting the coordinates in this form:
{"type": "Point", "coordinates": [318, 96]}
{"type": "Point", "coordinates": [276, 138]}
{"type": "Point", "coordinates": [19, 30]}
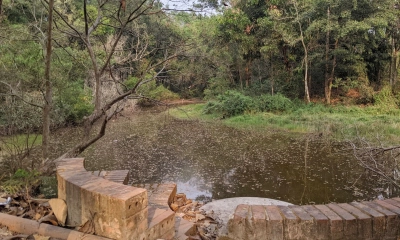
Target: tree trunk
{"type": "Point", "coordinates": [272, 76]}
{"type": "Point", "coordinates": [306, 89]}
{"type": "Point", "coordinates": [248, 73]}
{"type": "Point", "coordinates": [48, 98]}
{"type": "Point", "coordinates": [331, 76]}
{"type": "Point", "coordinates": [393, 64]}
{"type": "Point", "coordinates": [305, 80]}
{"type": "Point", "coordinates": [1, 8]}
{"type": "Point", "coordinates": [327, 80]}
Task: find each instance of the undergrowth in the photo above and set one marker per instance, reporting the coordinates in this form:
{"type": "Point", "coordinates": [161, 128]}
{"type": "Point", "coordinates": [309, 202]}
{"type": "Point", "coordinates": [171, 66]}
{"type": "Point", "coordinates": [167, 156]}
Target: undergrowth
{"type": "Point", "coordinates": [338, 122]}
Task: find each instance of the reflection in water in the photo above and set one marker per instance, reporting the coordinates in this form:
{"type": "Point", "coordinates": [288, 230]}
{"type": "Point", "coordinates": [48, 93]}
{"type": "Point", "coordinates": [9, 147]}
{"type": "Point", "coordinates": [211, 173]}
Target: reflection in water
{"type": "Point", "coordinates": [212, 160]}
{"type": "Point", "coordinates": [194, 189]}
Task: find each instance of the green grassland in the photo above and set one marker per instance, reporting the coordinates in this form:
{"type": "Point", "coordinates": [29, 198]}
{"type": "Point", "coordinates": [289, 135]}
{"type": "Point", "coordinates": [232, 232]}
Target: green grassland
{"type": "Point", "coordinates": [339, 122]}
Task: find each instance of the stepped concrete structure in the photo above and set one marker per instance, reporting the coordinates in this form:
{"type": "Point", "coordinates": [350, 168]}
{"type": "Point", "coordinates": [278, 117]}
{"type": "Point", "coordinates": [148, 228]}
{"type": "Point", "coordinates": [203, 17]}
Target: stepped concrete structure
{"type": "Point", "coordinates": [119, 211]}
{"type": "Point", "coordinates": [116, 211]}
{"type": "Point", "coordinates": [377, 219]}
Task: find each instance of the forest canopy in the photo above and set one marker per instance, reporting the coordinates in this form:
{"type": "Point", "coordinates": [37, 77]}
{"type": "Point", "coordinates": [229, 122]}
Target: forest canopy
{"type": "Point", "coordinates": [103, 53]}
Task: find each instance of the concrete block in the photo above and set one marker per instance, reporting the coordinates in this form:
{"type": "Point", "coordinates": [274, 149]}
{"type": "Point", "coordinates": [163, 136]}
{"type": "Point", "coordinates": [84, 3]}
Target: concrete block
{"type": "Point", "coordinates": [292, 229]}
{"type": "Point", "coordinates": [364, 221]}
{"type": "Point", "coordinates": [322, 227]}
{"type": "Point", "coordinates": [237, 224]}
{"type": "Point", "coordinates": [378, 220]}
{"type": "Point", "coordinates": [258, 222]}
{"type": "Point", "coordinates": [392, 220]}
{"type": "Point", "coordinates": [160, 222]}
{"type": "Point", "coordinates": [305, 224]}
{"type": "Point", "coordinates": [275, 224]}
{"type": "Point", "coordinates": [350, 226]}
{"type": "Point", "coordinates": [393, 202]}
{"type": "Point", "coordinates": [335, 222]}
{"type": "Point", "coordinates": [73, 200]}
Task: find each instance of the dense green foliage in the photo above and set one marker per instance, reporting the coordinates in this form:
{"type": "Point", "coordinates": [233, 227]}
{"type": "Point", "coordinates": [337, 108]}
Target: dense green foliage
{"type": "Point", "coordinates": [338, 122]}
{"type": "Point", "coordinates": [241, 56]}
{"type": "Point", "coordinates": [233, 103]}
{"type": "Point", "coordinates": [247, 58]}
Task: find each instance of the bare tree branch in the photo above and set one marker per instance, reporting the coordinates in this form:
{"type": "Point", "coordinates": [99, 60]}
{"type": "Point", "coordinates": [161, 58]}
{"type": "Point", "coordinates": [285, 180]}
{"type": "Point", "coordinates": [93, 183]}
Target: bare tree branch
{"type": "Point", "coordinates": [14, 93]}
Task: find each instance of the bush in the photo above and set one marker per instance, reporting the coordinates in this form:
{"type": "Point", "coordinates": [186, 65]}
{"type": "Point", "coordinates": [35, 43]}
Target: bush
{"type": "Point", "coordinates": [161, 93]}
{"type": "Point", "coordinates": [74, 102]}
{"type": "Point", "coordinates": [152, 91]}
{"type": "Point", "coordinates": [272, 103]}
{"type": "Point", "coordinates": [231, 103]}
{"type": "Point", "coordinates": [22, 181]}
{"type": "Point", "coordinates": [385, 99]}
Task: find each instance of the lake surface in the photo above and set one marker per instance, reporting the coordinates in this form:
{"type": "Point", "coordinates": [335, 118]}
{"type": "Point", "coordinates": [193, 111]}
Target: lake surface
{"type": "Point", "coordinates": [211, 161]}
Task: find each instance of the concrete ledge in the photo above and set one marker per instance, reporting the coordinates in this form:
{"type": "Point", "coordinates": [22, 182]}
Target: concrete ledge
{"type": "Point", "coordinates": [118, 211]}
{"type": "Point", "coordinates": [160, 195]}
{"type": "Point", "coordinates": [356, 220]}
{"type": "Point", "coordinates": [118, 176]}
{"type": "Point", "coordinates": [26, 226]}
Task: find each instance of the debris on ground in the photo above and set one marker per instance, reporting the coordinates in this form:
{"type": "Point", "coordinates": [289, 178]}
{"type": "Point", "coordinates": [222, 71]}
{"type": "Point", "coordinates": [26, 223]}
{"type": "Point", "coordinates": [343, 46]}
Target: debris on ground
{"type": "Point", "coordinates": [32, 208]}
{"type": "Point", "coordinates": [50, 211]}
{"type": "Point", "coordinates": [206, 225]}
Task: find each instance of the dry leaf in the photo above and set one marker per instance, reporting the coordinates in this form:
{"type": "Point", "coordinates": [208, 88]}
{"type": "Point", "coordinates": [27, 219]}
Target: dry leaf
{"type": "Point", "coordinates": [88, 227]}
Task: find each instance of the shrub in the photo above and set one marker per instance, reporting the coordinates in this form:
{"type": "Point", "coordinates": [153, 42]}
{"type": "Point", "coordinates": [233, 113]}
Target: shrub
{"type": "Point", "coordinates": [22, 181]}
{"type": "Point", "coordinates": [161, 93]}
{"type": "Point", "coordinates": [231, 103]}
{"type": "Point", "coordinates": [152, 91]}
{"type": "Point", "coordinates": [272, 103]}
{"type": "Point", "coordinates": [74, 102]}
{"type": "Point", "coordinates": [385, 99]}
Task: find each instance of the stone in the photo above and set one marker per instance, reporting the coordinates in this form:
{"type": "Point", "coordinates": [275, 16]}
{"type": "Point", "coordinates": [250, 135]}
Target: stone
{"type": "Point", "coordinates": [349, 221]}
{"type": "Point", "coordinates": [336, 222]}
{"type": "Point", "coordinates": [364, 221]}
{"type": "Point", "coordinates": [258, 222]}
{"type": "Point", "coordinates": [321, 222]}
{"type": "Point", "coordinates": [60, 210]}
{"type": "Point", "coordinates": [378, 222]}
{"type": "Point", "coordinates": [199, 217]}
{"type": "Point", "coordinates": [391, 222]}
{"type": "Point", "coordinates": [275, 222]}
{"type": "Point", "coordinates": [174, 207]}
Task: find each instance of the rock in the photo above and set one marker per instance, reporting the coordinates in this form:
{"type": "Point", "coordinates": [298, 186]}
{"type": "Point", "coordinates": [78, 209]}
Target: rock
{"type": "Point", "coordinates": [59, 208]}
{"type": "Point", "coordinates": [195, 237]}
{"type": "Point", "coordinates": [174, 207]}
{"type": "Point", "coordinates": [199, 217]}
{"type": "Point", "coordinates": [180, 202]}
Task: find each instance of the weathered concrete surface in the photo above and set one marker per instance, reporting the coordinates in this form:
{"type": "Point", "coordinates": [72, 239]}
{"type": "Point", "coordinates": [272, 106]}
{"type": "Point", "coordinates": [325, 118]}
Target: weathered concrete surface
{"type": "Point", "coordinates": [117, 211]}
{"type": "Point", "coordinates": [225, 208]}
{"type": "Point", "coordinates": [356, 220]}
{"type": "Point", "coordinates": [118, 176]}
{"type": "Point", "coordinates": [160, 194]}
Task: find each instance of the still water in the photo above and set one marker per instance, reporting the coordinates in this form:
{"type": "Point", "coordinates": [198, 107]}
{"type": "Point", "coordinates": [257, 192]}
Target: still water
{"type": "Point", "coordinates": [211, 161]}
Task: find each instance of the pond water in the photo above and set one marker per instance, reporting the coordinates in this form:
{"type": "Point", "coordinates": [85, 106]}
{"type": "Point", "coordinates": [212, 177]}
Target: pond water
{"type": "Point", "coordinates": [211, 161]}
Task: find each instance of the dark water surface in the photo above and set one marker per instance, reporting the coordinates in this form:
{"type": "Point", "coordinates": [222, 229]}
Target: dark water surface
{"type": "Point", "coordinates": [212, 161]}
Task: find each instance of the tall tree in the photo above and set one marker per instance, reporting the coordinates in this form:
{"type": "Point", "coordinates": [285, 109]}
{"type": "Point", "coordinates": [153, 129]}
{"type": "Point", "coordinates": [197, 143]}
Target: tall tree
{"type": "Point", "coordinates": [48, 95]}
{"type": "Point", "coordinates": [107, 20]}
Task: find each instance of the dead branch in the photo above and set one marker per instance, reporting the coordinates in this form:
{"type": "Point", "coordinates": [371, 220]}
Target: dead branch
{"type": "Point", "coordinates": [379, 160]}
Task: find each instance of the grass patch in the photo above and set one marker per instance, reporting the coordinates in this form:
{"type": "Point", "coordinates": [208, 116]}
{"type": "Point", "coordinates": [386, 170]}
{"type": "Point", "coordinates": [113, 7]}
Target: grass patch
{"type": "Point", "coordinates": [20, 141]}
{"type": "Point", "coordinates": [191, 111]}
{"type": "Point", "coordinates": [339, 122]}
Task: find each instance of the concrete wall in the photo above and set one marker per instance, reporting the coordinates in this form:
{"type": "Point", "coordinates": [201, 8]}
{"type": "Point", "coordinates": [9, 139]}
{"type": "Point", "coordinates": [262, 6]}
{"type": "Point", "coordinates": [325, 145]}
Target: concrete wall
{"type": "Point", "coordinates": [118, 211]}
{"type": "Point", "coordinates": [357, 220]}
